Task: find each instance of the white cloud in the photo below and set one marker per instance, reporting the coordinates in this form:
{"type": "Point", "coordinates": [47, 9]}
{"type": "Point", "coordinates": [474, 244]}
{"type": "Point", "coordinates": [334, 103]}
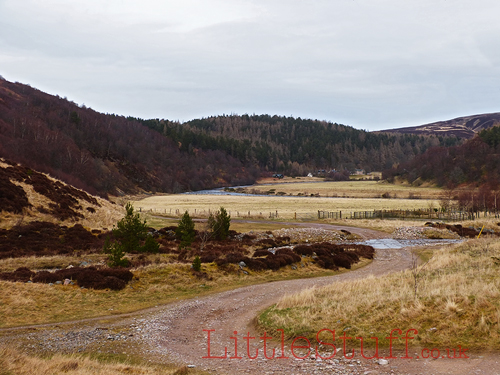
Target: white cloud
{"type": "Point", "coordinates": [366, 63]}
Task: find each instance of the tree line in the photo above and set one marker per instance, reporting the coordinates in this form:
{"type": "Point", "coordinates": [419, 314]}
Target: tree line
{"type": "Point", "coordinates": [296, 146]}
{"type": "Point", "coordinates": [470, 173]}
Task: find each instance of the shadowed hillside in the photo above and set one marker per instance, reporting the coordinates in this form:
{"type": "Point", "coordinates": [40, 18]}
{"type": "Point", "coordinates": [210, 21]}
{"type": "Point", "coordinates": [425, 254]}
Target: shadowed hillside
{"type": "Point", "coordinates": [103, 154]}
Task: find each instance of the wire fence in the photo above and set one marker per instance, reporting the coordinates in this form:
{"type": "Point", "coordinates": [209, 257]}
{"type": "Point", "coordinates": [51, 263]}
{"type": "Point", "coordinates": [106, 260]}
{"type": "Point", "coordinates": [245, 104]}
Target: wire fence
{"type": "Point", "coordinates": [417, 214]}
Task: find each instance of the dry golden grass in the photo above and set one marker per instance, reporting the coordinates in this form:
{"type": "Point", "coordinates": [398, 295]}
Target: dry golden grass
{"type": "Point", "coordinates": [458, 302]}
{"type": "Point", "coordinates": [353, 189]}
{"type": "Point", "coordinates": [262, 206]}
{"type": "Point", "coordinates": [155, 284]}
{"type": "Point", "coordinates": [241, 226]}
{"type": "Point", "coordinates": [105, 216]}
{"type": "Point", "coordinates": [14, 362]}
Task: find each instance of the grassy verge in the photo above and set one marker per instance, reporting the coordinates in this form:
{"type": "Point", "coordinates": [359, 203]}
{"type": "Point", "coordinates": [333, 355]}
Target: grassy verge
{"type": "Point", "coordinates": [457, 303]}
{"type": "Point", "coordinates": [155, 284]}
{"type": "Point", "coordinates": [13, 362]}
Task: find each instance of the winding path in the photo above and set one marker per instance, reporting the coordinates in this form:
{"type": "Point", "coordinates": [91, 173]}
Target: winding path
{"type": "Point", "coordinates": [178, 332]}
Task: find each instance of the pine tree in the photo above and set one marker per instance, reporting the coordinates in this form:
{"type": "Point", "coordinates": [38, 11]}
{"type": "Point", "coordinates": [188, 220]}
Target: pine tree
{"type": "Point", "coordinates": [131, 235]}
{"type": "Point", "coordinates": [185, 230]}
{"type": "Point", "coordinates": [130, 231]}
{"type": "Point", "coordinates": [197, 264]}
{"type": "Point", "coordinates": [219, 223]}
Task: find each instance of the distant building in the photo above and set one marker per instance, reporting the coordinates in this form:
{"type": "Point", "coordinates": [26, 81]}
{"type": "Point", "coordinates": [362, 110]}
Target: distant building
{"type": "Point", "coordinates": [375, 175]}
{"type": "Point", "coordinates": [359, 172]}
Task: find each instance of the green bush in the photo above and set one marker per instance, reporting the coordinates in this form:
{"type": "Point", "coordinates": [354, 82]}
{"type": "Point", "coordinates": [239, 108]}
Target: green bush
{"type": "Point", "coordinates": [219, 223]}
{"type": "Point", "coordinates": [115, 254]}
{"type": "Point", "coordinates": [185, 231]}
{"type": "Point", "coordinates": [197, 264]}
{"type": "Point", "coordinates": [150, 245]}
{"type": "Point", "coordinates": [131, 235]}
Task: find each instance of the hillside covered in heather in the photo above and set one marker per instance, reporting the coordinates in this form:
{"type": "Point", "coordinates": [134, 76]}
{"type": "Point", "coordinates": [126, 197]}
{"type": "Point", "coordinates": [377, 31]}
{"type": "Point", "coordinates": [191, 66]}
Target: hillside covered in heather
{"type": "Point", "coordinates": [101, 153]}
{"type": "Point", "coordinates": [470, 172]}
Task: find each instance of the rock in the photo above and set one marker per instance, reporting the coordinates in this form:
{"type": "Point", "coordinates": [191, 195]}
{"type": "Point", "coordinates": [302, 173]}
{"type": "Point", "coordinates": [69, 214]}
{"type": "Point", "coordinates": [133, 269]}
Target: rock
{"type": "Point", "coordinates": [242, 264]}
{"type": "Point", "coordinates": [67, 282]}
{"type": "Point", "coordinates": [58, 282]}
{"type": "Point", "coordinates": [383, 362]}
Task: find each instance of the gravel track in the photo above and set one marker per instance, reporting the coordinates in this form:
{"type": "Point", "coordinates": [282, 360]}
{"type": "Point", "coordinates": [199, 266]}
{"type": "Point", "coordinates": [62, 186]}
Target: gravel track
{"type": "Point", "coordinates": [175, 332]}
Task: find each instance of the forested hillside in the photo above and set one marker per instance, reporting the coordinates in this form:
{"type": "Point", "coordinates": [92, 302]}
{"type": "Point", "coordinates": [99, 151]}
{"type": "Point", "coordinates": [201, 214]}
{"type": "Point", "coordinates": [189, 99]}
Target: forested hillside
{"type": "Point", "coordinates": [109, 154]}
{"type": "Point", "coordinates": [473, 166]}
{"type": "Point", "coordinates": [297, 146]}
{"type": "Point", "coordinates": [104, 154]}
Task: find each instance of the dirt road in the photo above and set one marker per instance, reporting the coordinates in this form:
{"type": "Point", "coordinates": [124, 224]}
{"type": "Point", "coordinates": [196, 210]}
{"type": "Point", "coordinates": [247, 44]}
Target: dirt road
{"type": "Point", "coordinates": [179, 332]}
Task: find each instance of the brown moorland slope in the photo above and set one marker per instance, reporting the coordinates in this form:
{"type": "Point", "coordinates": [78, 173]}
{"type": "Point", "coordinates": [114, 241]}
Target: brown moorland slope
{"type": "Point", "coordinates": [463, 127]}
{"type": "Point", "coordinates": [104, 153]}
{"type": "Point", "coordinates": [27, 196]}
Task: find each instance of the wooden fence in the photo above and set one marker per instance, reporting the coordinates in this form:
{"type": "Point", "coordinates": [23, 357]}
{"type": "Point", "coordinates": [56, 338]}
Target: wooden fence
{"type": "Point", "coordinates": [421, 214]}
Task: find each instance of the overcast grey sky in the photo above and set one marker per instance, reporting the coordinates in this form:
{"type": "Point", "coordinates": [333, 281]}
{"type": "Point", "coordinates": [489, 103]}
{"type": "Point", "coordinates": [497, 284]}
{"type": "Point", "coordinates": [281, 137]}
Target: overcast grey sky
{"type": "Point", "coordinates": [371, 64]}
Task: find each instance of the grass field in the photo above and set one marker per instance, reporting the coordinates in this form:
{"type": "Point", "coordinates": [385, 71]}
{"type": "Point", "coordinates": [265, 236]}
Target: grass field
{"type": "Point", "coordinates": [353, 189]}
{"type": "Point", "coordinates": [457, 302]}
{"type": "Point", "coordinates": [263, 206]}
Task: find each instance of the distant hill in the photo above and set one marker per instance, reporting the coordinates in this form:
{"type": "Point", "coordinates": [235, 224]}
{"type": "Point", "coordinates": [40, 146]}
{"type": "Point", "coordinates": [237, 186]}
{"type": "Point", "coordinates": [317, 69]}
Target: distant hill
{"type": "Point", "coordinates": [470, 172]}
{"type": "Point", "coordinates": [101, 153]}
{"type": "Point", "coordinates": [464, 127]}
{"type": "Point", "coordinates": [107, 154]}
{"type": "Point", "coordinates": [296, 146]}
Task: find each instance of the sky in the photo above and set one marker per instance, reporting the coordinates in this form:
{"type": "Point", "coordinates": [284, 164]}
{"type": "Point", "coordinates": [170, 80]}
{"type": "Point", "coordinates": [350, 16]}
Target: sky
{"type": "Point", "coordinates": [370, 64]}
